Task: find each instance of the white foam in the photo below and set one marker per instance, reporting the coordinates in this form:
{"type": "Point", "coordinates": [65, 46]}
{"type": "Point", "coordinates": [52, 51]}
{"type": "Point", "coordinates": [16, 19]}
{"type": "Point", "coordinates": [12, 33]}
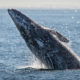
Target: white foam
{"type": "Point", "coordinates": [36, 65]}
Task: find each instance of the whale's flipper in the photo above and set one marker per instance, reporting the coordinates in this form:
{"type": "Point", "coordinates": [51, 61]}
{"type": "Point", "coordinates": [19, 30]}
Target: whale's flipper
{"type": "Point", "coordinates": [45, 44]}
{"type": "Point", "coordinates": [59, 36]}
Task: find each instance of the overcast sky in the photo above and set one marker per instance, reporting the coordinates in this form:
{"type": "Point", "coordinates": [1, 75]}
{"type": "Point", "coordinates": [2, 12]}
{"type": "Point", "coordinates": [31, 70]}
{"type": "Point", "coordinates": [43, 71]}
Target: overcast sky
{"type": "Point", "coordinates": [40, 4]}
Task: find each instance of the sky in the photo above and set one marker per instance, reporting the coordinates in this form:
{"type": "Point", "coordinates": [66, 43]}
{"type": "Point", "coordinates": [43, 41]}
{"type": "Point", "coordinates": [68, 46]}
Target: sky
{"type": "Point", "coordinates": [55, 4]}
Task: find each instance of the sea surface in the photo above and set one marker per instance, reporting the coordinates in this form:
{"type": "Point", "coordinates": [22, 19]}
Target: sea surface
{"type": "Point", "coordinates": [16, 60]}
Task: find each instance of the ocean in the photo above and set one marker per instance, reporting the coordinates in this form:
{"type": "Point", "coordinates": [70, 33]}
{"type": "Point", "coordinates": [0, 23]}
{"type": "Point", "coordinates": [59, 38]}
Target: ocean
{"type": "Point", "coordinates": [16, 60]}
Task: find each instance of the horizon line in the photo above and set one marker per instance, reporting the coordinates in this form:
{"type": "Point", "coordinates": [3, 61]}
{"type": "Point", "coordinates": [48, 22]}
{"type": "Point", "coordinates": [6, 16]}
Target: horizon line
{"type": "Point", "coordinates": [37, 8]}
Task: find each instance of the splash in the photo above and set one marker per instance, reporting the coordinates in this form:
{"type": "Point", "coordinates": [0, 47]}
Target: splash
{"type": "Point", "coordinates": [35, 65]}
{"type": "Point", "coordinates": [38, 65]}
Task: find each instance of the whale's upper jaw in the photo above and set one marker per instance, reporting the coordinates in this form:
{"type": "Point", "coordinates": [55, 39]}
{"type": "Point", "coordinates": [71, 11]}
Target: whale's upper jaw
{"type": "Point", "coordinates": [22, 21]}
{"type": "Point", "coordinates": [19, 19]}
{"type": "Point", "coordinates": [18, 16]}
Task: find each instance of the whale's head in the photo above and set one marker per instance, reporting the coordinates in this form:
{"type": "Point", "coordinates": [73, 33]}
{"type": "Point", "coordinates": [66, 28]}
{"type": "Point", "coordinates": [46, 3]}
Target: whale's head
{"type": "Point", "coordinates": [25, 25]}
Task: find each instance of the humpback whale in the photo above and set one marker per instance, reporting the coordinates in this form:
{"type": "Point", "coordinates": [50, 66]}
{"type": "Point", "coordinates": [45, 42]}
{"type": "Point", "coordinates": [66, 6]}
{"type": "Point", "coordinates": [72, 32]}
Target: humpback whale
{"type": "Point", "coordinates": [46, 44]}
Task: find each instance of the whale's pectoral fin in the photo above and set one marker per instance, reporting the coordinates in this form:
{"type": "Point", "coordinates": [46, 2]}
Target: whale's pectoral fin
{"type": "Point", "coordinates": [62, 38]}
{"type": "Point", "coordinates": [59, 36]}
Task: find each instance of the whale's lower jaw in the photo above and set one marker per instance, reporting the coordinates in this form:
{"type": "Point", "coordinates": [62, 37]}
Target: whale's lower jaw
{"type": "Point", "coordinates": [47, 45]}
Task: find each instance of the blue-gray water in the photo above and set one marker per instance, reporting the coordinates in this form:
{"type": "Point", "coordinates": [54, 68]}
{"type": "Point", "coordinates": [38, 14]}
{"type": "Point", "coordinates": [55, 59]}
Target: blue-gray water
{"type": "Point", "coordinates": [14, 54]}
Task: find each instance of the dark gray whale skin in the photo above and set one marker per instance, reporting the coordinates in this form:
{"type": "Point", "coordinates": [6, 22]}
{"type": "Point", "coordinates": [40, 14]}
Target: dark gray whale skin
{"type": "Point", "coordinates": [46, 44]}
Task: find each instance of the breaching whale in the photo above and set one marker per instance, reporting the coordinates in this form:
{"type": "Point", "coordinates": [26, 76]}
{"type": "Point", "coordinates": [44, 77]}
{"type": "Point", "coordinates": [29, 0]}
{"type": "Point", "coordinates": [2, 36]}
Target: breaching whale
{"type": "Point", "coordinates": [46, 44]}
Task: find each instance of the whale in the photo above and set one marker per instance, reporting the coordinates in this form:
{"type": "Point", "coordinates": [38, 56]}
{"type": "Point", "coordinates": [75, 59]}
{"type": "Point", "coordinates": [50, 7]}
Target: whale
{"type": "Point", "coordinates": [48, 45]}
